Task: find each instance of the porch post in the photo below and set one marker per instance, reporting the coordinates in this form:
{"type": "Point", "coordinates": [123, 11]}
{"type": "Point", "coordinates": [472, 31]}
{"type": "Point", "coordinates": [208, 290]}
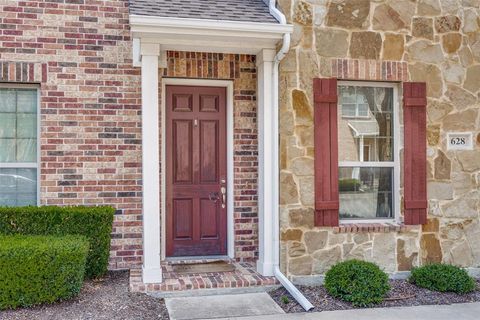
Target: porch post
{"type": "Point", "coordinates": [266, 171]}
{"type": "Point", "coordinates": [151, 272]}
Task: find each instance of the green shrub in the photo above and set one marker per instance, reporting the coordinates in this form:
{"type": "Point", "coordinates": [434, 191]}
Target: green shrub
{"type": "Point", "coordinates": [443, 278]}
{"type": "Point", "coordinates": [347, 185]}
{"type": "Point", "coordinates": [40, 269]}
{"type": "Point", "coordinates": [94, 223]}
{"type": "Point", "coordinates": [359, 282]}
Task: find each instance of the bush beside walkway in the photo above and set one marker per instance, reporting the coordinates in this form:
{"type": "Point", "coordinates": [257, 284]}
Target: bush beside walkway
{"type": "Point", "coordinates": [101, 299]}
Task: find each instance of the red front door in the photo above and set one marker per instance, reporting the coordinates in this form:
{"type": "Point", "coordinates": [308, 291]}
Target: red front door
{"type": "Point", "coordinates": [196, 171]}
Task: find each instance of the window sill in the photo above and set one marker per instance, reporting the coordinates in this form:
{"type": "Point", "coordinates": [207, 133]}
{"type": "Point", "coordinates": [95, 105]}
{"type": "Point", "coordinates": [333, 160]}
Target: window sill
{"type": "Point", "coordinates": [372, 227]}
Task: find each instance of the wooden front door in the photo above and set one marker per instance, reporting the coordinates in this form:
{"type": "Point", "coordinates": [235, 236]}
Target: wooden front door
{"type": "Point", "coordinates": [196, 171]}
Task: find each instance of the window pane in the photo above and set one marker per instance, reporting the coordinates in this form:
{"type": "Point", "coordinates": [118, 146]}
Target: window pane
{"type": "Point", "coordinates": [366, 124]}
{"type": "Point", "coordinates": [7, 100]}
{"type": "Point", "coordinates": [7, 150]}
{"type": "Point", "coordinates": [7, 125]}
{"type": "Point", "coordinates": [26, 125]}
{"type": "Point", "coordinates": [26, 150]}
{"type": "Point", "coordinates": [26, 101]}
{"type": "Point", "coordinates": [18, 125]}
{"type": "Point", "coordinates": [366, 193]}
{"type": "Point", "coordinates": [18, 187]}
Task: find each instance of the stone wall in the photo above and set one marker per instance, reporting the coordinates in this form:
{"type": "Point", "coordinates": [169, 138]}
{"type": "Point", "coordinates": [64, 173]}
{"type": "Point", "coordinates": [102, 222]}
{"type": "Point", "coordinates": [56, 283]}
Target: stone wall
{"type": "Point", "coordinates": [437, 41]}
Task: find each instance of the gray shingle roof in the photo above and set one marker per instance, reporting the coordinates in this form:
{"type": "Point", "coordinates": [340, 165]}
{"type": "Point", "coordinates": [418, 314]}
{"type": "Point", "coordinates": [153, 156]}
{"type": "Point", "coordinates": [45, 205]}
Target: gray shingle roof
{"type": "Point", "coordinates": [233, 10]}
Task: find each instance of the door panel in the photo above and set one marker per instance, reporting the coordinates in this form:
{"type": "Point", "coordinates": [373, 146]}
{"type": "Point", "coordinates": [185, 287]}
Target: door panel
{"type": "Point", "coordinates": [196, 169]}
{"type": "Point", "coordinates": [183, 214]}
{"type": "Point", "coordinates": [208, 219]}
{"type": "Point", "coordinates": [208, 151]}
{"type": "Point", "coordinates": [182, 143]}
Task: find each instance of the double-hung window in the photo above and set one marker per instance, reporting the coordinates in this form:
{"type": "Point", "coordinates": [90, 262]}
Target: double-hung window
{"type": "Point", "coordinates": [18, 145]}
{"type": "Point", "coordinates": [367, 151]}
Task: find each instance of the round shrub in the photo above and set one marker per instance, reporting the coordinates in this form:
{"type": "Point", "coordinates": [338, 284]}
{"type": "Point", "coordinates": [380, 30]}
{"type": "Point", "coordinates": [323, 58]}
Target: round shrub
{"type": "Point", "coordinates": [359, 282]}
{"type": "Point", "coordinates": [443, 278]}
{"type": "Point", "coordinates": [40, 269]}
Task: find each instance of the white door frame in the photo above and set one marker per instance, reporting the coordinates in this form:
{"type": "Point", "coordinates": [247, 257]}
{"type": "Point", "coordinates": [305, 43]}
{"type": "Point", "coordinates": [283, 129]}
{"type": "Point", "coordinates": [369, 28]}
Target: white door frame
{"type": "Point", "coordinates": [230, 173]}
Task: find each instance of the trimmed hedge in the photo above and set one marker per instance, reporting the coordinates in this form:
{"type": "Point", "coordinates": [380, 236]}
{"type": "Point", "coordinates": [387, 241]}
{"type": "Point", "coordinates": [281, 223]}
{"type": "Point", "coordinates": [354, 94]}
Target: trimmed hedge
{"type": "Point", "coordinates": [40, 269]}
{"type": "Point", "coordinates": [359, 282]}
{"type": "Point", "coordinates": [443, 278]}
{"type": "Point", "coordinates": [94, 223]}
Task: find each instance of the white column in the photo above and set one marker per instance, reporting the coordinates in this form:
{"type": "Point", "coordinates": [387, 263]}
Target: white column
{"type": "Point", "coordinates": [266, 170]}
{"type": "Point", "coordinates": [151, 272]}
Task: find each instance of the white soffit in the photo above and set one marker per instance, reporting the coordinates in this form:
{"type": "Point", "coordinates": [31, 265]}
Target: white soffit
{"type": "Point", "coordinates": [208, 35]}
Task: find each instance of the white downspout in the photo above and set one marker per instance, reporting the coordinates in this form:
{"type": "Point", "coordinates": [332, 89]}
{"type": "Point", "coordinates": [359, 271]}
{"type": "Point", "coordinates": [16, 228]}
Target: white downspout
{"type": "Point", "coordinates": [276, 217]}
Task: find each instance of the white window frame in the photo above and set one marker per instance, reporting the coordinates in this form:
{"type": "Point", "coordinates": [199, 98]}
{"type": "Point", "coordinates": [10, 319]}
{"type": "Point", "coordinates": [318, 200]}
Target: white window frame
{"type": "Point", "coordinates": [27, 165]}
{"type": "Point", "coordinates": [395, 164]}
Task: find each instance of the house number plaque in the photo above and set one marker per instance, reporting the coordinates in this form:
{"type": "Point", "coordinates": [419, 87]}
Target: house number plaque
{"type": "Point", "coordinates": [459, 141]}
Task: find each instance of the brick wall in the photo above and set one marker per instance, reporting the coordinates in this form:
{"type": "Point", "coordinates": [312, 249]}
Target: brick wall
{"type": "Point", "coordinates": [90, 106]}
{"type": "Point", "coordinates": [79, 52]}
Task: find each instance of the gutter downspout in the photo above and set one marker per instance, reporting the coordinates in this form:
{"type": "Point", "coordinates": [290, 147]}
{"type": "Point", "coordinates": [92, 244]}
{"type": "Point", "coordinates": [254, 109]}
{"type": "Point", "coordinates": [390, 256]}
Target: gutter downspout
{"type": "Point", "coordinates": [287, 284]}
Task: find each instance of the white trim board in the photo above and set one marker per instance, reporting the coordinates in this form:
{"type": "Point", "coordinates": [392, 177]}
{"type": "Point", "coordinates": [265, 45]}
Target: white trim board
{"type": "Point", "coordinates": [230, 173]}
{"type": "Point", "coordinates": [202, 35]}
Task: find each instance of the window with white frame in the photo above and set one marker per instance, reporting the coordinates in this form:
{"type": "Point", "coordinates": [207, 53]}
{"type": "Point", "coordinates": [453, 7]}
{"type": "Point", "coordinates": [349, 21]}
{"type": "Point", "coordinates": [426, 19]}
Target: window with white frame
{"type": "Point", "coordinates": [368, 160]}
{"type": "Point", "coordinates": [18, 145]}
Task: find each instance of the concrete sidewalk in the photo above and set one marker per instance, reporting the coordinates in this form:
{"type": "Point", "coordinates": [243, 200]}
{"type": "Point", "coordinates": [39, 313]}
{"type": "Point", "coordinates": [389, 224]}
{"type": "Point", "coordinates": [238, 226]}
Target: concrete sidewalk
{"type": "Point", "coordinates": [463, 311]}
{"type": "Point", "coordinates": [246, 306]}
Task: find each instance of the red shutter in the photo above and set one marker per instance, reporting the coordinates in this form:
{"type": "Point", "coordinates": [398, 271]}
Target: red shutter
{"type": "Point", "coordinates": [326, 152]}
{"type": "Point", "coordinates": [415, 152]}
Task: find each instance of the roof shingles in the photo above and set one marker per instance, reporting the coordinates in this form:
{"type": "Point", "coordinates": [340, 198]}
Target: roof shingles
{"type": "Point", "coordinates": [232, 10]}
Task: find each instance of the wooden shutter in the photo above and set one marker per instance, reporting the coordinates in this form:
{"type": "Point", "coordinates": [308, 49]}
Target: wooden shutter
{"type": "Point", "coordinates": [415, 152]}
{"type": "Point", "coordinates": [326, 152]}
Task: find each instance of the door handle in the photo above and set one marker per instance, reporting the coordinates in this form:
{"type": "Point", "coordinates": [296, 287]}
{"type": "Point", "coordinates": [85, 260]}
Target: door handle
{"type": "Point", "coordinates": [224, 196]}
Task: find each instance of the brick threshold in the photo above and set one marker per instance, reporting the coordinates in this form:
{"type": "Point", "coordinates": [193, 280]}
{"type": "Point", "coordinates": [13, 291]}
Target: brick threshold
{"type": "Point", "coordinates": [244, 277]}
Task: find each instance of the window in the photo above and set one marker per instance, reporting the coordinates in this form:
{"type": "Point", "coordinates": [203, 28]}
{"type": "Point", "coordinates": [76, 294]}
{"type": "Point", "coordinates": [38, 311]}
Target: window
{"type": "Point", "coordinates": [367, 115]}
{"type": "Point", "coordinates": [18, 146]}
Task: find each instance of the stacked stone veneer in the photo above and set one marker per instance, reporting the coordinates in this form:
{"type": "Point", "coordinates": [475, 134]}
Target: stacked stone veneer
{"type": "Point", "coordinates": [436, 41]}
{"type": "Point", "coordinates": [79, 54]}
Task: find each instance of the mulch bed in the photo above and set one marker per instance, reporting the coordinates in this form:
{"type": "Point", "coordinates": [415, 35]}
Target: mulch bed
{"type": "Point", "coordinates": [402, 294]}
{"type": "Point", "coordinates": [107, 298]}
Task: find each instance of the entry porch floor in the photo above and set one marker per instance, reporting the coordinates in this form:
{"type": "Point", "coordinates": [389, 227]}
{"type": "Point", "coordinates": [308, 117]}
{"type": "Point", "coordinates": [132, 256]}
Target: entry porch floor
{"type": "Point", "coordinates": [177, 284]}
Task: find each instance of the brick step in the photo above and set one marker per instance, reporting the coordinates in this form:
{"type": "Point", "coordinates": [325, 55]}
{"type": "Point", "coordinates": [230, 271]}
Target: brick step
{"type": "Point", "coordinates": [243, 279]}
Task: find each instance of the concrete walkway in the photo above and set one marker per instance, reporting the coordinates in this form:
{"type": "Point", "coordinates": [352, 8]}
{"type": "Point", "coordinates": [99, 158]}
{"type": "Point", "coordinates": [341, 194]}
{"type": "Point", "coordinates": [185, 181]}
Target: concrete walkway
{"type": "Point", "coordinates": [463, 311]}
{"type": "Point", "coordinates": [246, 305]}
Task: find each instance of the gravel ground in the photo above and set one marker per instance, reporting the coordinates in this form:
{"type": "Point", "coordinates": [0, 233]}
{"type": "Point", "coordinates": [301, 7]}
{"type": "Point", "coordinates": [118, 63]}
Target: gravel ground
{"type": "Point", "coordinates": [402, 294]}
{"type": "Point", "coordinates": [107, 298]}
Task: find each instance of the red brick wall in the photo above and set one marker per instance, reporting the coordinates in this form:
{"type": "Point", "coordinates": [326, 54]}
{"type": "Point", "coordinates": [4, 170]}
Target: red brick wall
{"type": "Point", "coordinates": [79, 52]}
{"type": "Point", "coordinates": [90, 106]}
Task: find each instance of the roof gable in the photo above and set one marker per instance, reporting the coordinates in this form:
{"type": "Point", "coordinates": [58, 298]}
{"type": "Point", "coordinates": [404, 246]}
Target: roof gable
{"type": "Point", "coordinates": [230, 10]}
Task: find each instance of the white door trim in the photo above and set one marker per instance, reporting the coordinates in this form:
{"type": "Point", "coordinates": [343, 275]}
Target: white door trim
{"type": "Point", "coordinates": [230, 174]}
